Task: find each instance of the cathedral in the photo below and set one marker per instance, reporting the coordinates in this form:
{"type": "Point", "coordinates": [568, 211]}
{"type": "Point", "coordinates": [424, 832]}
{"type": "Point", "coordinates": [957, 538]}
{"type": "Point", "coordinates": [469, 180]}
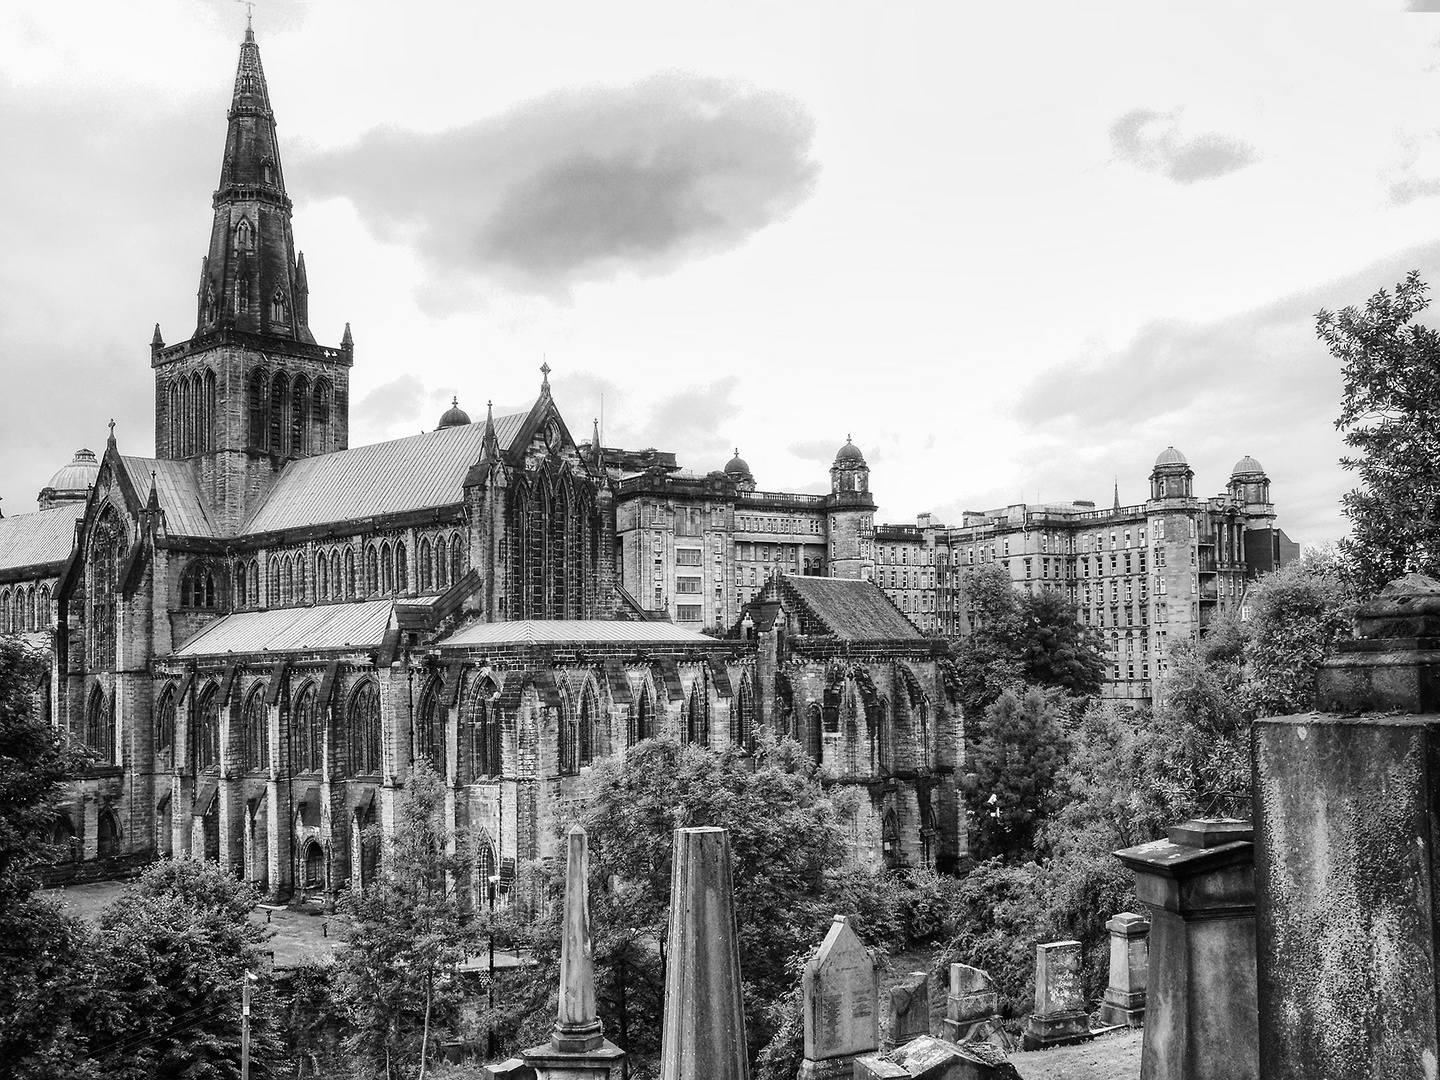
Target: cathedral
{"type": "Point", "coordinates": [259, 631]}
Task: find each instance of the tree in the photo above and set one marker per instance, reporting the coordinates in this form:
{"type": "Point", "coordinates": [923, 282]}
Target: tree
{"type": "Point", "coordinates": [170, 960]}
{"type": "Point", "coordinates": [1019, 639]}
{"type": "Point", "coordinates": [1297, 614]}
{"type": "Point", "coordinates": [1014, 757]}
{"type": "Point", "coordinates": [1391, 368]}
{"type": "Point", "coordinates": [43, 951]}
{"type": "Point", "coordinates": [409, 933]}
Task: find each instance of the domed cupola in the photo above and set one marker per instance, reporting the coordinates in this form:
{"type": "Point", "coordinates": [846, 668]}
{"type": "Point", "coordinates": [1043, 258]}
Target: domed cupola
{"type": "Point", "coordinates": [1250, 487]}
{"type": "Point", "coordinates": [738, 470]}
{"type": "Point", "coordinates": [454, 416]}
{"type": "Point", "coordinates": [849, 474]}
{"type": "Point", "coordinates": [1172, 477]}
{"type": "Point", "coordinates": [73, 482]}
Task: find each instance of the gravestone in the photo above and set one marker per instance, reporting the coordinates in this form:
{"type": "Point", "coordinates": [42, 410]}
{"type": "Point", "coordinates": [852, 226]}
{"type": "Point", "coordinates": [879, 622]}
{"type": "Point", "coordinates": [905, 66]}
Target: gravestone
{"type": "Point", "coordinates": [1129, 960]}
{"type": "Point", "coordinates": [910, 1008]}
{"type": "Point", "coordinates": [1060, 1016]}
{"type": "Point", "coordinates": [704, 1020]}
{"type": "Point", "coordinates": [928, 1058]}
{"type": "Point", "coordinates": [972, 1007]}
{"type": "Point", "coordinates": [1200, 1012]}
{"type": "Point", "coordinates": [841, 987]}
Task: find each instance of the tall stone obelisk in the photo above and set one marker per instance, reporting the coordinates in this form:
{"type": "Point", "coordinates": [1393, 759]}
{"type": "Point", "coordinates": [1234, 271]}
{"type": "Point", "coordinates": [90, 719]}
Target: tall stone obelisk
{"type": "Point", "coordinates": [578, 1049]}
{"type": "Point", "coordinates": [704, 1034]}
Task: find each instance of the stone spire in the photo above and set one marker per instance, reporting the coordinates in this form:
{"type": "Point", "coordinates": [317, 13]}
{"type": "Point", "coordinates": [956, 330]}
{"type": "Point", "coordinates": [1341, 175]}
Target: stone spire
{"type": "Point", "coordinates": [704, 1019]}
{"type": "Point", "coordinates": [577, 1048]}
{"type": "Point", "coordinates": [251, 280]}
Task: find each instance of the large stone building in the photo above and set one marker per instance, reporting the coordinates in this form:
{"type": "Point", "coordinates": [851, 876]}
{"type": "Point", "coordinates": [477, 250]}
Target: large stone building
{"type": "Point", "coordinates": [261, 629]}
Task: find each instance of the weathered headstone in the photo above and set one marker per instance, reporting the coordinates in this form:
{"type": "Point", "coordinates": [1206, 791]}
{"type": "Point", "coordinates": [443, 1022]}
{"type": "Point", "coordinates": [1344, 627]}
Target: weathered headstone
{"type": "Point", "coordinates": [704, 1021]}
{"type": "Point", "coordinates": [1129, 960]}
{"type": "Point", "coordinates": [1200, 1013]}
{"type": "Point", "coordinates": [928, 1058]}
{"type": "Point", "coordinates": [578, 1049]}
{"type": "Point", "coordinates": [910, 1008]}
{"type": "Point", "coordinates": [841, 987]}
{"type": "Point", "coordinates": [1060, 1016]}
{"type": "Point", "coordinates": [511, 1069]}
{"type": "Point", "coordinates": [972, 1007]}
{"type": "Point", "coordinates": [1347, 831]}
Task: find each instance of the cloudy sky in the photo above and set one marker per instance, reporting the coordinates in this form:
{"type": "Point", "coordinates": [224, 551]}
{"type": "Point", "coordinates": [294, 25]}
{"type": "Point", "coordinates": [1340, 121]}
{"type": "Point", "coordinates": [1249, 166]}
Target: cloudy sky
{"type": "Point", "coordinates": [1014, 250]}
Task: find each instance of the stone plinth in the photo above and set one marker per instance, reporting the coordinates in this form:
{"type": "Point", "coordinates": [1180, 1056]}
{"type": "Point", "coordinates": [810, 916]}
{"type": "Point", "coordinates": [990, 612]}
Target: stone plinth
{"type": "Point", "coordinates": [1347, 838]}
{"type": "Point", "coordinates": [1060, 1016]}
{"type": "Point", "coordinates": [934, 1059]}
{"type": "Point", "coordinates": [1201, 1016]}
{"type": "Point", "coordinates": [704, 1021]}
{"type": "Point", "coordinates": [840, 986]}
{"type": "Point", "coordinates": [1393, 665]}
{"type": "Point", "coordinates": [972, 1007]}
{"type": "Point", "coordinates": [1129, 960]}
{"type": "Point", "coordinates": [910, 1008]}
{"type": "Point", "coordinates": [513, 1069]}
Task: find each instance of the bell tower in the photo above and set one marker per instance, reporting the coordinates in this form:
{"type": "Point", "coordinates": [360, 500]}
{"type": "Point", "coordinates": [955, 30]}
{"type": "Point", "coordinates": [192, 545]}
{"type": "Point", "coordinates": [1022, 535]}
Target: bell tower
{"type": "Point", "coordinates": [250, 389]}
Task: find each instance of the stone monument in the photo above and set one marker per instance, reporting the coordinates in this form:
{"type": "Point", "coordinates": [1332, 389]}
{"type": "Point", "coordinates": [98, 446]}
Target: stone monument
{"type": "Point", "coordinates": [1347, 839]}
{"type": "Point", "coordinates": [841, 987]}
{"type": "Point", "coordinates": [972, 1007]}
{"type": "Point", "coordinates": [1124, 1002]}
{"type": "Point", "coordinates": [1060, 1017]}
{"type": "Point", "coordinates": [577, 1049]}
{"type": "Point", "coordinates": [1200, 1016]}
{"type": "Point", "coordinates": [909, 1008]}
{"type": "Point", "coordinates": [704, 1021]}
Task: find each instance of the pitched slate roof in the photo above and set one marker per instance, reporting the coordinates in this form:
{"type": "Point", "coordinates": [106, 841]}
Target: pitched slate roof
{"type": "Point", "coordinates": [414, 473]}
{"type": "Point", "coordinates": [846, 608]}
{"type": "Point", "coordinates": [325, 626]}
{"type": "Point", "coordinates": [45, 536]}
{"type": "Point", "coordinates": [177, 485]}
{"type": "Point", "coordinates": [532, 631]}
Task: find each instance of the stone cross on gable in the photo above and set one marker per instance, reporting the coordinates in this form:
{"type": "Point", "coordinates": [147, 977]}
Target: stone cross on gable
{"type": "Point", "coordinates": [545, 373]}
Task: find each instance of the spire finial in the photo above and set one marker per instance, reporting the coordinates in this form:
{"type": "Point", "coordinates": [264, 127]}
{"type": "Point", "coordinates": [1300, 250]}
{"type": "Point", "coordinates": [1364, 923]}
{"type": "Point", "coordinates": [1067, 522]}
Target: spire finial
{"type": "Point", "coordinates": [111, 441]}
{"type": "Point", "coordinates": [455, 402]}
{"type": "Point", "coordinates": [737, 451]}
{"type": "Point", "coordinates": [544, 372]}
{"type": "Point", "coordinates": [249, 19]}
{"type": "Point", "coordinates": [849, 437]}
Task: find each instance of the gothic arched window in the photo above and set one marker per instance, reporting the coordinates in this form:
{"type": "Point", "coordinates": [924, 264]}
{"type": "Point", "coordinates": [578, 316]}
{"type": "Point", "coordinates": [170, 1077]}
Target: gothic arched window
{"type": "Point", "coordinates": [742, 716]}
{"type": "Point", "coordinates": [107, 835]}
{"type": "Point", "coordinates": [402, 571]}
{"type": "Point", "coordinates": [320, 412]}
{"type": "Point", "coordinates": [256, 731]}
{"type": "Point", "coordinates": [277, 307]}
{"type": "Point", "coordinates": [254, 582]}
{"type": "Point", "coordinates": [278, 424]}
{"type": "Point", "coordinates": [257, 394]}
{"type": "Point", "coordinates": [163, 724]}
{"type": "Point", "coordinates": [322, 577]}
{"type": "Point", "coordinates": [697, 714]}
{"type": "Point", "coordinates": [207, 739]}
{"type": "Point", "coordinates": [430, 727]}
{"type": "Point", "coordinates": [363, 727]}
{"type": "Point", "coordinates": [457, 559]}
{"type": "Point", "coordinates": [299, 417]}
{"type": "Point", "coordinates": [349, 573]}
{"type": "Point", "coordinates": [813, 725]}
{"type": "Point", "coordinates": [427, 569]}
{"type": "Point", "coordinates": [644, 713]}
{"type": "Point", "coordinates": [100, 726]}
{"type": "Point", "coordinates": [243, 235]}
{"type": "Point", "coordinates": [588, 735]}
{"type": "Point", "coordinates": [305, 731]}
{"type": "Point", "coordinates": [387, 569]}
{"type": "Point", "coordinates": [106, 547]}
{"type": "Point", "coordinates": [372, 571]}
{"type": "Point", "coordinates": [484, 729]}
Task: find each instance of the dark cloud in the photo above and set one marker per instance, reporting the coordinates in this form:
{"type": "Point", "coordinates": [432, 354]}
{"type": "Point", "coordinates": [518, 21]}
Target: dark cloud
{"type": "Point", "coordinates": [1184, 383]}
{"type": "Point", "coordinates": [581, 184]}
{"type": "Point", "coordinates": [1153, 141]}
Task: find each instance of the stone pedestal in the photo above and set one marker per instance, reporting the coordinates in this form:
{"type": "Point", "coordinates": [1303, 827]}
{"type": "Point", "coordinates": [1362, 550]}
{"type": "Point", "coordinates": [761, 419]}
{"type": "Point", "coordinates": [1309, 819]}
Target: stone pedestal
{"type": "Point", "coordinates": [1347, 840]}
{"type": "Point", "coordinates": [704, 1021]}
{"type": "Point", "coordinates": [972, 1007]}
{"type": "Point", "coordinates": [1201, 1018]}
{"type": "Point", "coordinates": [1060, 1017]}
{"type": "Point", "coordinates": [1129, 961]}
{"type": "Point", "coordinates": [840, 990]}
{"type": "Point", "coordinates": [909, 1008]}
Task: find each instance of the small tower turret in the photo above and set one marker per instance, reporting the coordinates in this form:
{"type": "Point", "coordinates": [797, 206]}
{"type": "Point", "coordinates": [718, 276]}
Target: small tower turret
{"type": "Point", "coordinates": [850, 516]}
{"type": "Point", "coordinates": [1172, 477]}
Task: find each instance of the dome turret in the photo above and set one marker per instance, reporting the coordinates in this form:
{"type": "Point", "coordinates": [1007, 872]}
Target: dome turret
{"type": "Point", "coordinates": [1246, 466]}
{"type": "Point", "coordinates": [454, 416]}
{"type": "Point", "coordinates": [73, 482]}
{"type": "Point", "coordinates": [849, 454]}
{"type": "Point", "coordinates": [737, 469]}
{"type": "Point", "coordinates": [1171, 456]}
{"type": "Point", "coordinates": [1172, 477]}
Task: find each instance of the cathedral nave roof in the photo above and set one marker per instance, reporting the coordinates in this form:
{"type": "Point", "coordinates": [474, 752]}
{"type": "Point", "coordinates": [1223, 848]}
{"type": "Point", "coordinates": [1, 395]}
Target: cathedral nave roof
{"type": "Point", "coordinates": [177, 486]}
{"type": "Point", "coordinates": [413, 473]}
{"type": "Point", "coordinates": [359, 625]}
{"type": "Point", "coordinates": [35, 539]}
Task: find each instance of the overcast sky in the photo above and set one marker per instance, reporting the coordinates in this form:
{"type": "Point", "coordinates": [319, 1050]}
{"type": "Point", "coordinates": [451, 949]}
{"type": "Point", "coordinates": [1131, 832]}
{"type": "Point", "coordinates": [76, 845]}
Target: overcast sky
{"type": "Point", "coordinates": [1014, 250]}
